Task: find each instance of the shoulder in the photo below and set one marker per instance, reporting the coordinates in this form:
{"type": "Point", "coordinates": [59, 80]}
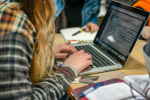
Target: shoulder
{"type": "Point", "coordinates": [14, 20]}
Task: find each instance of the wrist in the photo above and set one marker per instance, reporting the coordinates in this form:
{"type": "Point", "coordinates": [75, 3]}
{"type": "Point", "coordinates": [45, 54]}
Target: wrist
{"type": "Point", "coordinates": [74, 70]}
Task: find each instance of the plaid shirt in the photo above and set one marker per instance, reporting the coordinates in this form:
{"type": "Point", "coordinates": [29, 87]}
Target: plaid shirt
{"type": "Point", "coordinates": [16, 38]}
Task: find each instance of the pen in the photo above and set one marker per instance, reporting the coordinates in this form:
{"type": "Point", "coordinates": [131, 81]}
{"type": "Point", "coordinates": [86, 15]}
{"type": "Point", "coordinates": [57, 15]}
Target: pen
{"type": "Point", "coordinates": [91, 89]}
{"type": "Point", "coordinates": [81, 30]}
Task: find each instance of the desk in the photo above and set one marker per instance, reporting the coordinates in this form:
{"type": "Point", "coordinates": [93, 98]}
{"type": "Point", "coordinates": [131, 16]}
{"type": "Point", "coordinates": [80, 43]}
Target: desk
{"type": "Point", "coordinates": [135, 65]}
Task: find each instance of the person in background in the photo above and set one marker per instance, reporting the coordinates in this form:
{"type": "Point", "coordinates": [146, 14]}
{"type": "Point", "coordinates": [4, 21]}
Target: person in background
{"type": "Point", "coordinates": [27, 53]}
{"type": "Point", "coordinates": [145, 5]}
{"type": "Point", "coordinates": [145, 33]}
{"type": "Point", "coordinates": [77, 13]}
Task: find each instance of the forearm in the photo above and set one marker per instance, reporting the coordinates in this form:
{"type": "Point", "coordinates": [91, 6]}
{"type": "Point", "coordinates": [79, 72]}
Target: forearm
{"type": "Point", "coordinates": [94, 13]}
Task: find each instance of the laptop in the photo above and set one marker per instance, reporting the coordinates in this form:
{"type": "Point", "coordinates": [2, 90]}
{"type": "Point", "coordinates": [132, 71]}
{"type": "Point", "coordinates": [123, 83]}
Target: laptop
{"type": "Point", "coordinates": [117, 35]}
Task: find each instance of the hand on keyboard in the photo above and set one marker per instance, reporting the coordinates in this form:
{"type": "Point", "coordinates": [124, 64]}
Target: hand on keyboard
{"type": "Point", "coordinates": [79, 60]}
{"type": "Point", "coordinates": [62, 50]}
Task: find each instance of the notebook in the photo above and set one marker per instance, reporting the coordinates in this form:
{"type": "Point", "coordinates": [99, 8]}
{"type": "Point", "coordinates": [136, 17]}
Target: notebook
{"type": "Point", "coordinates": [83, 36]}
{"type": "Point", "coordinates": [76, 92]}
{"type": "Point", "coordinates": [113, 89]}
{"type": "Point", "coordinates": [115, 39]}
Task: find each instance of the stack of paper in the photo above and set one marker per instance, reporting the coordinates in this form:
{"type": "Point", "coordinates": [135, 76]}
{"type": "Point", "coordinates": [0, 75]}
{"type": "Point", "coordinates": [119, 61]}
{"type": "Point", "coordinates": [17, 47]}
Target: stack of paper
{"type": "Point", "coordinates": [83, 36]}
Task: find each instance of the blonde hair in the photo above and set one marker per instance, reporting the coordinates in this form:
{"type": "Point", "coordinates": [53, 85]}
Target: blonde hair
{"type": "Point", "coordinates": [41, 14]}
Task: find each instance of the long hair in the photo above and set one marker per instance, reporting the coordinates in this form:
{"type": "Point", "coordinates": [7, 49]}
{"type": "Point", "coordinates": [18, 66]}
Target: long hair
{"type": "Point", "coordinates": [41, 13]}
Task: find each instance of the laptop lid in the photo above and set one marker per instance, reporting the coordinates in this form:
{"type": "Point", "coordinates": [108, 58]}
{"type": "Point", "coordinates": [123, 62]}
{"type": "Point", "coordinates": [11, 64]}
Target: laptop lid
{"type": "Point", "coordinates": [120, 30]}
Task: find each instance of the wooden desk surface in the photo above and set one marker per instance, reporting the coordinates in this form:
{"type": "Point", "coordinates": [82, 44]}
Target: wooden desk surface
{"type": "Point", "coordinates": [59, 39]}
{"type": "Point", "coordinates": [134, 66]}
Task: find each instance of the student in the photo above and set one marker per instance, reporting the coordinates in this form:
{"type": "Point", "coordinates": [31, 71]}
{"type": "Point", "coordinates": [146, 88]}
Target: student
{"type": "Point", "coordinates": [77, 13]}
{"type": "Point", "coordinates": [27, 53]}
{"type": "Point", "coordinates": [145, 5]}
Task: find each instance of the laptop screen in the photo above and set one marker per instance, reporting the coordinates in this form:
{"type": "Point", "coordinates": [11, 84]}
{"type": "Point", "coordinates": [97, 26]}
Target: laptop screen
{"type": "Point", "coordinates": [120, 30]}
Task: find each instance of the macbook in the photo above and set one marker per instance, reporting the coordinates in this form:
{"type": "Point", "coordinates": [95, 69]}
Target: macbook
{"type": "Point", "coordinates": [115, 39]}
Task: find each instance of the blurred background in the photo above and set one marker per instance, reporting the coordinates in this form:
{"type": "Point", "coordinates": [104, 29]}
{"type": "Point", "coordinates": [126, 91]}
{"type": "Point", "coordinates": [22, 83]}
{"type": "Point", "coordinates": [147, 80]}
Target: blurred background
{"type": "Point", "coordinates": [105, 5]}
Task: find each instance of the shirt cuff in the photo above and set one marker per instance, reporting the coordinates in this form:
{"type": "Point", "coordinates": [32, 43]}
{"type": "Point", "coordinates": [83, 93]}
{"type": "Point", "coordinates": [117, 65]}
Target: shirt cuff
{"type": "Point", "coordinates": [74, 70]}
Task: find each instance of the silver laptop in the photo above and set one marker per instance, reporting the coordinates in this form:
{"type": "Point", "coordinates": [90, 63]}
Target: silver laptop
{"type": "Point", "coordinates": [115, 39]}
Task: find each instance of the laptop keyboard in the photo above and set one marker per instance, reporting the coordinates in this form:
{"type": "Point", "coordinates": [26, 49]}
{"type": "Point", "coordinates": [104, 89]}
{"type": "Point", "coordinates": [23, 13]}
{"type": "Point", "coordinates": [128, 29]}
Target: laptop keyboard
{"type": "Point", "coordinates": [98, 59]}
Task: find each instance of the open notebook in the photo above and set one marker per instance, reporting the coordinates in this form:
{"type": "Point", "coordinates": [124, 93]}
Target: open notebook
{"type": "Point", "coordinates": [83, 36]}
{"type": "Point", "coordinates": [131, 87]}
{"type": "Point", "coordinates": [122, 90]}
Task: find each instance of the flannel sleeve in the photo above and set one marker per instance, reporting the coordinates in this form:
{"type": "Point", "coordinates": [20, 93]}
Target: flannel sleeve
{"type": "Point", "coordinates": [15, 83]}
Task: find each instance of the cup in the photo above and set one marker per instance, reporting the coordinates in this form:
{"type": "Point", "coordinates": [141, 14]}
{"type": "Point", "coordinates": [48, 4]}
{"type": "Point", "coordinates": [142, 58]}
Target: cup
{"type": "Point", "coordinates": [147, 59]}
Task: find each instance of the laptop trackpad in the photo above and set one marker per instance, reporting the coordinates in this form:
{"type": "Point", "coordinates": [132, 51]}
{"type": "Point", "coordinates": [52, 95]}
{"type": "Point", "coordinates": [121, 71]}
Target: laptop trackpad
{"type": "Point", "coordinates": [86, 69]}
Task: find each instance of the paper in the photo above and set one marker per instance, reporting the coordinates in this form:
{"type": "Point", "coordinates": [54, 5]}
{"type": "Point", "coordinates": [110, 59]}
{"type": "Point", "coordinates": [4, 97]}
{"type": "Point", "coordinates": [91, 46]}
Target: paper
{"type": "Point", "coordinates": [76, 80]}
{"type": "Point", "coordinates": [116, 91]}
{"type": "Point", "coordinates": [139, 82]}
{"type": "Point", "coordinates": [83, 36]}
